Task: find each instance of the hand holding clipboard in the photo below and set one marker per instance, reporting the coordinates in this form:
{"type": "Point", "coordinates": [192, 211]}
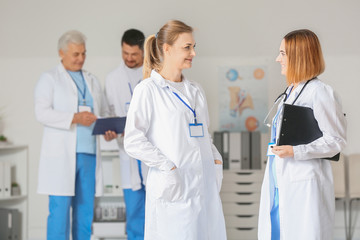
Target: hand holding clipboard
{"type": "Point", "coordinates": [299, 126]}
{"type": "Point", "coordinates": [116, 124]}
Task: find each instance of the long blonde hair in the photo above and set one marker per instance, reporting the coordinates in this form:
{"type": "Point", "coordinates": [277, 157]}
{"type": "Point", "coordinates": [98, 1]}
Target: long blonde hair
{"type": "Point", "coordinates": [153, 47]}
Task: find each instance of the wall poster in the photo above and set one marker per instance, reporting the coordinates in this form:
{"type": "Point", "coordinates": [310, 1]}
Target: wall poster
{"type": "Point", "coordinates": [243, 98]}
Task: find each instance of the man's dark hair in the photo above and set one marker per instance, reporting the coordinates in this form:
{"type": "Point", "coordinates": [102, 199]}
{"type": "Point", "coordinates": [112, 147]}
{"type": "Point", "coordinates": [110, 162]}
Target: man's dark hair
{"type": "Point", "coordinates": [133, 37]}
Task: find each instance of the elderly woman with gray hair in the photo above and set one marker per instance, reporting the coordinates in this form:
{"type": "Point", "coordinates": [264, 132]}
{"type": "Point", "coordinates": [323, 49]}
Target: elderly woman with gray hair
{"type": "Point", "coordinates": [67, 103]}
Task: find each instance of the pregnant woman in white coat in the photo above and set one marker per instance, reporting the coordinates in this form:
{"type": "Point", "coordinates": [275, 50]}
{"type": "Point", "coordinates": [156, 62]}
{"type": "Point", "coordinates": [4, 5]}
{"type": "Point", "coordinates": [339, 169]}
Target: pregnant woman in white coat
{"type": "Point", "coordinates": [297, 196]}
{"type": "Point", "coordinates": [167, 129]}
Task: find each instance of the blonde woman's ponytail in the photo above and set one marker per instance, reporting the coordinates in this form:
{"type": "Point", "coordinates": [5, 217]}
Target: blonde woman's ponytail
{"type": "Point", "coordinates": [151, 56]}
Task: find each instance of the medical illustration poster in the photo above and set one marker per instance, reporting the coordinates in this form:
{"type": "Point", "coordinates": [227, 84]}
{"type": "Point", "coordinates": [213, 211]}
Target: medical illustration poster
{"type": "Point", "coordinates": [242, 98]}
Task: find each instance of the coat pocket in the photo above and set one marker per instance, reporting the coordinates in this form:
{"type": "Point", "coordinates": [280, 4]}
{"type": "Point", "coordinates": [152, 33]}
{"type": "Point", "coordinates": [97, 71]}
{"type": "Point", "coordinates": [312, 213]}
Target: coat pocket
{"type": "Point", "coordinates": [169, 186]}
{"type": "Point", "coordinates": [304, 170]}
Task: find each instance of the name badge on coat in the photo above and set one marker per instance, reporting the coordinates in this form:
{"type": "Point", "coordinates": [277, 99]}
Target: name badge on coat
{"type": "Point", "coordinates": [196, 130]}
{"type": "Point", "coordinates": [269, 151]}
{"type": "Point", "coordinates": [83, 108]}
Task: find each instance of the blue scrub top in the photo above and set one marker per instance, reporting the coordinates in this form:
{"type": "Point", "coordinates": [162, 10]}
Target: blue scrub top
{"type": "Point", "coordinates": [85, 141]}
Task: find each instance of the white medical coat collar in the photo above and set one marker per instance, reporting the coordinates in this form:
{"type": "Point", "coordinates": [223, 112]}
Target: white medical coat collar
{"type": "Point", "coordinates": [62, 70]}
{"type": "Point", "coordinates": [160, 81]}
{"type": "Point", "coordinates": [296, 91]}
{"type": "Point", "coordinates": [123, 65]}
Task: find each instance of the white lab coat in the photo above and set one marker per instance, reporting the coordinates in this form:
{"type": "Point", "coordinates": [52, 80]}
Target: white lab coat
{"type": "Point", "coordinates": [183, 203]}
{"type": "Point", "coordinates": [305, 181]}
{"type": "Point", "coordinates": [56, 101]}
{"type": "Point", "coordinates": [118, 96]}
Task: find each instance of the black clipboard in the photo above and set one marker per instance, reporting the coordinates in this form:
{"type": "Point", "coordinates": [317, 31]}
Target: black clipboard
{"type": "Point", "coordinates": [116, 124]}
{"type": "Point", "coordinates": [299, 126]}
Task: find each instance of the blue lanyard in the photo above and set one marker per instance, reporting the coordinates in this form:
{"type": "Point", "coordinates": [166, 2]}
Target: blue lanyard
{"type": "Point", "coordinates": [289, 92]}
{"type": "Point", "coordinates": [131, 92]}
{"type": "Point", "coordinates": [193, 110]}
{"type": "Point", "coordinates": [83, 94]}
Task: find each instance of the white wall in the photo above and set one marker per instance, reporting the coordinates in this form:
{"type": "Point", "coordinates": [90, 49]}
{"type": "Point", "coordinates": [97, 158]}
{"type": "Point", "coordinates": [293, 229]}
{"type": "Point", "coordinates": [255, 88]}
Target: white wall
{"type": "Point", "coordinates": [227, 32]}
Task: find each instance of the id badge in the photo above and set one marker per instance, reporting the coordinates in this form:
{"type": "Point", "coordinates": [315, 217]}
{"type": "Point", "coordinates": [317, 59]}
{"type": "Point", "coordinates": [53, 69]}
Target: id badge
{"type": "Point", "coordinates": [83, 108]}
{"type": "Point", "coordinates": [269, 151]}
{"type": "Point", "coordinates": [196, 130]}
{"type": "Point", "coordinates": [127, 105]}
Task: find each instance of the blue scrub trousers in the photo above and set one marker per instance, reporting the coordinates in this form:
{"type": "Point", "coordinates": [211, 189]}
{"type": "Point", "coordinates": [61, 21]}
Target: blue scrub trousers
{"type": "Point", "coordinates": [135, 211]}
{"type": "Point", "coordinates": [275, 218]}
{"type": "Point", "coordinates": [58, 227]}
